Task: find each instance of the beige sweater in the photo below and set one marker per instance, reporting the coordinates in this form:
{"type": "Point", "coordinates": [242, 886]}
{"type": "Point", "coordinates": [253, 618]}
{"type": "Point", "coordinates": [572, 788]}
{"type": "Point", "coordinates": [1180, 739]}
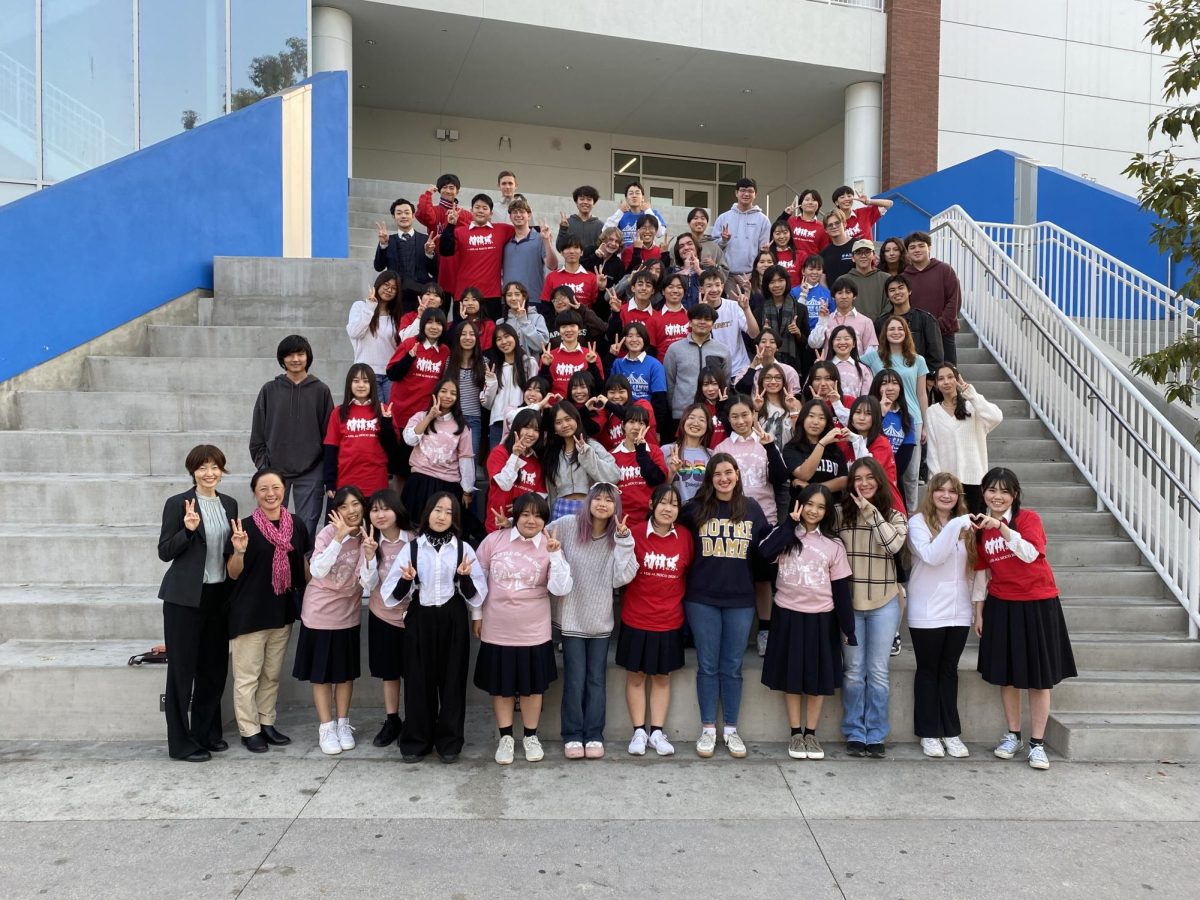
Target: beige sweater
{"type": "Point", "coordinates": [960, 447]}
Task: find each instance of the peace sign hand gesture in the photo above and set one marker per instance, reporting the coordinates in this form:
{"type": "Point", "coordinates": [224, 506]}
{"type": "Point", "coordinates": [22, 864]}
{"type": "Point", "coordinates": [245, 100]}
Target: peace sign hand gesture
{"type": "Point", "coordinates": [861, 501]}
{"type": "Point", "coordinates": [431, 244]}
{"type": "Point", "coordinates": [370, 542]}
{"type": "Point", "coordinates": [191, 518]}
{"type": "Point", "coordinates": [675, 461]}
{"type": "Point", "coordinates": [725, 233]}
{"type": "Point", "coordinates": [238, 538]}
{"type": "Point", "coordinates": [616, 348]}
{"type": "Point", "coordinates": [552, 543]}
{"type": "Point", "coordinates": [386, 409]}
{"type": "Point", "coordinates": [614, 302]}
{"type": "Point", "coordinates": [547, 358]}
{"type": "Point", "coordinates": [562, 219]}
{"type": "Point", "coordinates": [489, 371]}
{"type": "Point", "coordinates": [795, 513]}
{"type": "Point", "coordinates": [464, 568]}
{"type": "Point", "coordinates": [452, 216]}
{"type": "Point", "coordinates": [382, 231]}
{"type": "Point", "coordinates": [591, 353]}
{"type": "Point", "coordinates": [623, 527]}
{"type": "Point", "coordinates": [764, 437]}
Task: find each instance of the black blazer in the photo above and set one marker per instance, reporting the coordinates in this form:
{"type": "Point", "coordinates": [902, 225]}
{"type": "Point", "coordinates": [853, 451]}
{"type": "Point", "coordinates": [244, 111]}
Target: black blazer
{"type": "Point", "coordinates": [408, 260]}
{"type": "Point", "coordinates": [185, 550]}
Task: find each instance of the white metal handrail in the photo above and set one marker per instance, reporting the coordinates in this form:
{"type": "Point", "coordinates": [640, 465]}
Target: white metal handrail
{"type": "Point", "coordinates": [1126, 309]}
{"type": "Point", "coordinates": [1141, 467]}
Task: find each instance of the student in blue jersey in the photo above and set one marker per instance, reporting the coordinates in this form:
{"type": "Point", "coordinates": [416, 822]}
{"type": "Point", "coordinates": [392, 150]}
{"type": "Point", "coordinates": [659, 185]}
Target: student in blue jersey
{"type": "Point", "coordinates": [727, 527]}
{"type": "Point", "coordinates": [898, 426]}
{"type": "Point", "coordinates": [631, 208]}
{"type": "Point", "coordinates": [647, 378]}
{"type": "Point", "coordinates": [810, 293]}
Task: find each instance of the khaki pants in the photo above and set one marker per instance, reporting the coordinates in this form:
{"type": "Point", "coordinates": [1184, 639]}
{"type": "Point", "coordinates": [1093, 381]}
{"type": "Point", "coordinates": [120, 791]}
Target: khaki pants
{"type": "Point", "coordinates": [257, 659]}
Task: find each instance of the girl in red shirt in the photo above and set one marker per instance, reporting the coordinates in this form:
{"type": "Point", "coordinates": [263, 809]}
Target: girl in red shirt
{"type": "Point", "coordinates": [640, 465]}
{"type": "Point", "coordinates": [416, 366]}
{"type": "Point", "coordinates": [650, 642]}
{"type": "Point", "coordinates": [1023, 640]}
{"type": "Point", "coordinates": [360, 440]}
{"type": "Point", "coordinates": [713, 392]}
{"type": "Point", "coordinates": [470, 309]}
{"type": "Point", "coordinates": [783, 249]}
{"type": "Point", "coordinates": [514, 468]}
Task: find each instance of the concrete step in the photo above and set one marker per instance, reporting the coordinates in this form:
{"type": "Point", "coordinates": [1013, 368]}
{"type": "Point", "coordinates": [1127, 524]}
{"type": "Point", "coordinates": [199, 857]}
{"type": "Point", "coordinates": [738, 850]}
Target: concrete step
{"type": "Point", "coordinates": [115, 500]}
{"type": "Point", "coordinates": [1135, 652]}
{"type": "Point", "coordinates": [1077, 550]}
{"type": "Point", "coordinates": [1108, 581]}
{"type": "Point", "coordinates": [99, 554]}
{"type": "Point", "coordinates": [138, 410]}
{"type": "Point", "coordinates": [1024, 448]}
{"type": "Point", "coordinates": [1146, 691]}
{"type": "Point", "coordinates": [175, 374]}
{"type": "Point", "coordinates": [79, 613]}
{"type": "Point", "coordinates": [284, 311]}
{"type": "Point", "coordinates": [1125, 615]}
{"type": "Point", "coordinates": [116, 452]}
{"type": "Point", "coordinates": [1038, 472]}
{"type": "Point", "coordinates": [317, 279]}
{"type": "Point", "coordinates": [1020, 427]}
{"type": "Point", "coordinates": [1038, 495]}
{"type": "Point", "coordinates": [361, 251]}
{"type": "Point", "coordinates": [973, 354]}
{"type": "Point", "coordinates": [1120, 736]}
{"type": "Point", "coordinates": [994, 390]}
{"type": "Point", "coordinates": [98, 697]}
{"type": "Point", "coordinates": [1012, 408]}
{"type": "Point", "coordinates": [330, 344]}
{"type": "Point", "coordinates": [976, 372]}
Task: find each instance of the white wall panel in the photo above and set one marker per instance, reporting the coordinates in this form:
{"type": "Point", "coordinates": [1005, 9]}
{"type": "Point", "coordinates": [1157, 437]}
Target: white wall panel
{"type": "Point", "coordinates": [984, 54]}
{"type": "Point", "coordinates": [976, 107]}
{"type": "Point", "coordinates": [1044, 17]}
{"type": "Point", "coordinates": [1096, 71]}
{"type": "Point", "coordinates": [954, 148]}
{"type": "Point", "coordinates": [1105, 124]}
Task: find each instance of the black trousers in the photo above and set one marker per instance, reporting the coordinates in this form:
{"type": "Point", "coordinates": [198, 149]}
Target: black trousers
{"type": "Point", "coordinates": [974, 498]}
{"type": "Point", "coordinates": [197, 665]}
{"type": "Point", "coordinates": [437, 649]}
{"type": "Point", "coordinates": [950, 349]}
{"type": "Point", "coordinates": [935, 706]}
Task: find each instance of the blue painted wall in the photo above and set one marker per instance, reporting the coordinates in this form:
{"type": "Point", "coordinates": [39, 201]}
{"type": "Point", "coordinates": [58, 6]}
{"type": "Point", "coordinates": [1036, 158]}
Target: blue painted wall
{"type": "Point", "coordinates": [983, 186]}
{"type": "Point", "coordinates": [107, 246]}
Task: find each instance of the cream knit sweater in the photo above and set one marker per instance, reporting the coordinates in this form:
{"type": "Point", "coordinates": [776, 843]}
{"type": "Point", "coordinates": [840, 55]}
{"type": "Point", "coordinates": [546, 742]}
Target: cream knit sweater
{"type": "Point", "coordinates": [960, 447]}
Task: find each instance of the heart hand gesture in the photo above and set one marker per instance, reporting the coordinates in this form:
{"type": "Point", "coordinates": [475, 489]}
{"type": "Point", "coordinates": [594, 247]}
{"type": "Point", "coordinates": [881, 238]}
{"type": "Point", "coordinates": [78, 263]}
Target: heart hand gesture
{"type": "Point", "coordinates": [623, 527]}
{"type": "Point", "coordinates": [238, 538]}
{"type": "Point", "coordinates": [191, 518]}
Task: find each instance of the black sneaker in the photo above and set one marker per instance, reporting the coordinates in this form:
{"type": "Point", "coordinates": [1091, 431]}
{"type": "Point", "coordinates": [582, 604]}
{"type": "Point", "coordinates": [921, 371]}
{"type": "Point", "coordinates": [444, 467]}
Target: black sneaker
{"type": "Point", "coordinates": [856, 748]}
{"type": "Point", "coordinates": [896, 645]}
{"type": "Point", "coordinates": [388, 733]}
{"type": "Point", "coordinates": [876, 751]}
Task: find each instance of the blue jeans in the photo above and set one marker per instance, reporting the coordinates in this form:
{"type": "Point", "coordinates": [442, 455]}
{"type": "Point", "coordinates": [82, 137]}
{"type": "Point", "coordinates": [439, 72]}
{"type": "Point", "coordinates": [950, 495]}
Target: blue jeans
{"type": "Point", "coordinates": [585, 668]}
{"type": "Point", "coordinates": [385, 387]}
{"type": "Point", "coordinates": [475, 423]}
{"type": "Point", "coordinates": [495, 430]}
{"type": "Point", "coordinates": [865, 681]}
{"type": "Point", "coordinates": [720, 634]}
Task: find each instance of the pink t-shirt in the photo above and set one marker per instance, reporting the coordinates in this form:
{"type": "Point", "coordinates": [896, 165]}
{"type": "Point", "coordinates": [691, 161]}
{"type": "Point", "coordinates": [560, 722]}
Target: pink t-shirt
{"type": "Point", "coordinates": [438, 452]}
{"type": "Point", "coordinates": [806, 575]}
{"type": "Point", "coordinates": [516, 612]}
{"type": "Point", "coordinates": [334, 601]}
{"type": "Point", "coordinates": [751, 458]}
{"type": "Point", "coordinates": [392, 615]}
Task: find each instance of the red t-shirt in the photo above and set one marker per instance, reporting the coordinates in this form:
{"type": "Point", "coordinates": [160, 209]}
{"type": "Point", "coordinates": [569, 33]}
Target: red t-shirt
{"type": "Point", "coordinates": [635, 493]}
{"type": "Point", "coordinates": [809, 238]}
{"type": "Point", "coordinates": [669, 326]}
{"type": "Point", "coordinates": [861, 223]}
{"type": "Point", "coordinates": [719, 433]}
{"type": "Point", "coordinates": [565, 364]}
{"type": "Point", "coordinates": [583, 283]}
{"type": "Point", "coordinates": [630, 312]}
{"type": "Point", "coordinates": [529, 481]}
{"type": "Point", "coordinates": [479, 251]}
{"type": "Point", "coordinates": [361, 459]}
{"type": "Point", "coordinates": [612, 431]}
{"type": "Point", "coordinates": [787, 259]}
{"type": "Point", "coordinates": [648, 253]}
{"type": "Point", "coordinates": [432, 215]}
{"type": "Point", "coordinates": [414, 392]}
{"type": "Point", "coordinates": [1013, 579]}
{"type": "Point", "coordinates": [653, 601]}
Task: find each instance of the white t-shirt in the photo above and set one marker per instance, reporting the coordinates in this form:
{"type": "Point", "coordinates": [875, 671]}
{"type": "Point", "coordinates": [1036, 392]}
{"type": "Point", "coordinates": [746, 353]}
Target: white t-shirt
{"type": "Point", "coordinates": [728, 328]}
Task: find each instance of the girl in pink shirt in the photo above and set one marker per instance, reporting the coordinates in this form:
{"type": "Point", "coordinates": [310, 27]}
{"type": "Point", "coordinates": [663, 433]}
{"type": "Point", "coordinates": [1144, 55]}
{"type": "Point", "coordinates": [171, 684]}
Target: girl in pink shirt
{"type": "Point", "coordinates": [390, 529]}
{"type": "Point", "coordinates": [442, 457]}
{"type": "Point", "coordinates": [523, 565]}
{"type": "Point", "coordinates": [812, 605]}
{"type": "Point", "coordinates": [327, 650]}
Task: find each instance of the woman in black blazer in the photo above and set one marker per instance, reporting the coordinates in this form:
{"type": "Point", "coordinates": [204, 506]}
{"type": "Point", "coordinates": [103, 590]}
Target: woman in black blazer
{"type": "Point", "coordinates": [195, 593]}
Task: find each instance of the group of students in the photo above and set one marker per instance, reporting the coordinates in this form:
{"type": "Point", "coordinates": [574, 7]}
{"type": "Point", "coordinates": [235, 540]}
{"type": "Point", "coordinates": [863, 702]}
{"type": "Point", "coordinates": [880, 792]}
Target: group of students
{"type": "Point", "coordinates": [750, 455]}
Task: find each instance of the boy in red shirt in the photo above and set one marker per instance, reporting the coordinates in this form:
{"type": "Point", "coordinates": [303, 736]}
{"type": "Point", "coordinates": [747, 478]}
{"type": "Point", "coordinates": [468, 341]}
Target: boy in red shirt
{"type": "Point", "coordinates": [561, 362]}
{"type": "Point", "coordinates": [433, 207]}
{"type": "Point", "coordinates": [585, 285]}
{"type": "Point", "coordinates": [477, 247]}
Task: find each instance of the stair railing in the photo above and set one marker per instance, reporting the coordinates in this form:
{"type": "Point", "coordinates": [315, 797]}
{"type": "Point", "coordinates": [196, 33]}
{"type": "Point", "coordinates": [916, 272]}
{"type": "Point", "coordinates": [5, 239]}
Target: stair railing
{"type": "Point", "coordinates": [1126, 309]}
{"type": "Point", "coordinates": [1143, 470]}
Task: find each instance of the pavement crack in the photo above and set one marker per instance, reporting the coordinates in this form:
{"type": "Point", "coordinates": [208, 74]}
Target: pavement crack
{"type": "Point", "coordinates": [816, 843]}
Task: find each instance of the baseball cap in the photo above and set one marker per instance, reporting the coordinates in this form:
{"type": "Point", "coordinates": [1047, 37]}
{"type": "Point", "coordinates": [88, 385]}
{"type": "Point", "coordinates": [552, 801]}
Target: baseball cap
{"type": "Point", "coordinates": [863, 244]}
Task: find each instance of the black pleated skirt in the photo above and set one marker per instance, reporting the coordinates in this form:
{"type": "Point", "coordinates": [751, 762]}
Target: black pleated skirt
{"type": "Point", "coordinates": [1025, 644]}
{"type": "Point", "coordinates": [327, 656]}
{"type": "Point", "coordinates": [804, 653]}
{"type": "Point", "coordinates": [515, 671]}
{"type": "Point", "coordinates": [385, 649]}
{"type": "Point", "coordinates": [651, 652]}
{"type": "Point", "coordinates": [420, 487]}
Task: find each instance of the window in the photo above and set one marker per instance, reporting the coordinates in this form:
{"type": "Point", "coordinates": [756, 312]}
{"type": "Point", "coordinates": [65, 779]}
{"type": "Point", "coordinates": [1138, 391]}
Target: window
{"type": "Point", "coordinates": [682, 180]}
{"type": "Point", "coordinates": [181, 65]}
{"type": "Point", "coordinates": [18, 91]}
{"type": "Point", "coordinates": [268, 48]}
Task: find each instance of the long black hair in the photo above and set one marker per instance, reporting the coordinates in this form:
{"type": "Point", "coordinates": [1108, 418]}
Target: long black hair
{"type": "Point", "coordinates": [960, 402]}
{"type": "Point", "coordinates": [390, 308]}
{"type": "Point", "coordinates": [475, 361]}
{"type": "Point", "coordinates": [348, 397]}
{"type": "Point", "coordinates": [555, 446]}
{"type": "Point", "coordinates": [828, 524]}
{"type": "Point", "coordinates": [876, 411]}
{"type": "Point", "coordinates": [519, 365]}
{"type": "Point", "coordinates": [456, 413]}
{"type": "Point", "coordinates": [1007, 479]}
{"type": "Point", "coordinates": [891, 376]}
{"type": "Point", "coordinates": [800, 439]}
{"type": "Point", "coordinates": [525, 417]}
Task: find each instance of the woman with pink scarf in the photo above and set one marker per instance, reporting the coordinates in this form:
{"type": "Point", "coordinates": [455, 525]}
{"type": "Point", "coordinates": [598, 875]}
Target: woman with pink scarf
{"type": "Point", "coordinates": [266, 563]}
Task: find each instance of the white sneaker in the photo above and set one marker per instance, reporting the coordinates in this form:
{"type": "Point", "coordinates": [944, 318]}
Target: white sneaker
{"type": "Point", "coordinates": [661, 745]}
{"type": "Point", "coordinates": [707, 744]}
{"type": "Point", "coordinates": [733, 743]}
{"type": "Point", "coordinates": [956, 748]}
{"type": "Point", "coordinates": [533, 748]}
{"type": "Point", "coordinates": [762, 642]}
{"type": "Point", "coordinates": [330, 745]}
{"type": "Point", "coordinates": [637, 746]}
{"type": "Point", "coordinates": [1010, 745]}
{"type": "Point", "coordinates": [345, 734]}
{"type": "Point", "coordinates": [504, 750]}
{"type": "Point", "coordinates": [932, 748]}
{"type": "Point", "coordinates": [1037, 757]}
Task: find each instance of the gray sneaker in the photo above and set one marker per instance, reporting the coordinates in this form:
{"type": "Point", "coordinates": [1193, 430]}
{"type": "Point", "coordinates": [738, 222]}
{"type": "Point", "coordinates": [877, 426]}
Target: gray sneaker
{"type": "Point", "coordinates": [761, 642]}
{"type": "Point", "coordinates": [1010, 745]}
{"type": "Point", "coordinates": [797, 748]}
{"type": "Point", "coordinates": [813, 746]}
{"type": "Point", "coordinates": [1037, 757]}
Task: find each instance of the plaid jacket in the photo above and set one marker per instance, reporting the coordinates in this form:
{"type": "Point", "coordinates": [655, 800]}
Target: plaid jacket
{"type": "Point", "coordinates": [871, 542]}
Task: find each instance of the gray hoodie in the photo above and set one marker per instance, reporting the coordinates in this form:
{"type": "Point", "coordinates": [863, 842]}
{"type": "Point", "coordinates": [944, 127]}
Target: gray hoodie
{"type": "Point", "coordinates": [748, 231]}
{"type": "Point", "coordinates": [288, 428]}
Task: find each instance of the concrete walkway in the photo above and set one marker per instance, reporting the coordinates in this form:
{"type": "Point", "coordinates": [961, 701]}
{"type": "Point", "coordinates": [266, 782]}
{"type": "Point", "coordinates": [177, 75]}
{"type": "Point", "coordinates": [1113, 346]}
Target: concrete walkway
{"type": "Point", "coordinates": [122, 820]}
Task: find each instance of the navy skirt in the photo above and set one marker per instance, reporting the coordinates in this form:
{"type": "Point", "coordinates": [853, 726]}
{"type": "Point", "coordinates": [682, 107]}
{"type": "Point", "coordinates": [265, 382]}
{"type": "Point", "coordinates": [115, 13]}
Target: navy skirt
{"type": "Point", "coordinates": [515, 671]}
{"type": "Point", "coordinates": [325, 656]}
{"type": "Point", "coordinates": [385, 649]}
{"type": "Point", "coordinates": [651, 652]}
{"type": "Point", "coordinates": [804, 653]}
{"type": "Point", "coordinates": [1025, 644]}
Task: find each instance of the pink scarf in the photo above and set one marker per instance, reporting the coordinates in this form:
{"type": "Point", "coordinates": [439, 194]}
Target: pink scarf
{"type": "Point", "coordinates": [280, 536]}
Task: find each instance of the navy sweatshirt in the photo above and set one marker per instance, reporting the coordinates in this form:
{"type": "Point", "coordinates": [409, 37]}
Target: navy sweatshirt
{"type": "Point", "coordinates": [722, 571]}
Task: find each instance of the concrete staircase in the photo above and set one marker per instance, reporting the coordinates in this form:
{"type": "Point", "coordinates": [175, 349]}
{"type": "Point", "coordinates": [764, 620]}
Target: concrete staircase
{"type": "Point", "coordinates": [84, 472]}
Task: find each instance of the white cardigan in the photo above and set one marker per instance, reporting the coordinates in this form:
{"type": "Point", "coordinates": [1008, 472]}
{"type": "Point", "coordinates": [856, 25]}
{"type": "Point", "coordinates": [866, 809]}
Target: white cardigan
{"type": "Point", "coordinates": [960, 447]}
{"type": "Point", "coordinates": [939, 586]}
